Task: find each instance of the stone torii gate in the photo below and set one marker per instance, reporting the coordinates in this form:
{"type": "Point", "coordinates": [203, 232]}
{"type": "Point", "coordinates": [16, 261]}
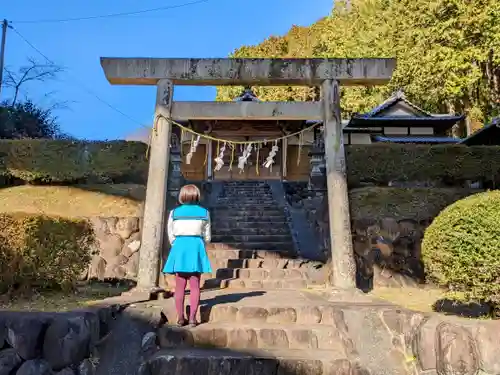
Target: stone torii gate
{"type": "Point", "coordinates": [329, 74]}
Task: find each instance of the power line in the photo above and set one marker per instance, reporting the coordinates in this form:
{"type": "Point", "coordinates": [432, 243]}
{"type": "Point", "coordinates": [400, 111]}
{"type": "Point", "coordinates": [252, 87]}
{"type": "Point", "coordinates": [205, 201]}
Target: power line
{"type": "Point", "coordinates": [122, 14]}
{"type": "Point", "coordinates": [90, 92]}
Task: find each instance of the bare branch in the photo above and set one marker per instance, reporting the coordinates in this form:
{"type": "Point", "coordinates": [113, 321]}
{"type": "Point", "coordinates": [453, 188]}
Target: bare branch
{"type": "Point", "coordinates": [33, 71]}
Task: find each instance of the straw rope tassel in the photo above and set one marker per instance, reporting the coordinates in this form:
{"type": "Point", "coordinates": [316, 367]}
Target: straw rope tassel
{"type": "Point", "coordinates": [257, 163]}
{"type": "Point", "coordinates": [232, 156]}
{"type": "Point", "coordinates": [206, 156]}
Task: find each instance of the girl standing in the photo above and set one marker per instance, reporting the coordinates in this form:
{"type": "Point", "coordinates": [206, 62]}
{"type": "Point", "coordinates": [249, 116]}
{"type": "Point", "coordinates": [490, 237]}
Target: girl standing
{"type": "Point", "coordinates": [189, 230]}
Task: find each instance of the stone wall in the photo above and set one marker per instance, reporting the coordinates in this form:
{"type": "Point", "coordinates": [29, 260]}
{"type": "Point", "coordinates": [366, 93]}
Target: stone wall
{"type": "Point", "coordinates": [53, 343]}
{"type": "Point", "coordinates": [117, 248]}
{"type": "Point", "coordinates": [315, 206]}
{"type": "Point", "coordinates": [386, 249]}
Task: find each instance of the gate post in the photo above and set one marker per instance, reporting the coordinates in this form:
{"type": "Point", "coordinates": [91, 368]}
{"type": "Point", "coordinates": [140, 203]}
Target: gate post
{"type": "Point", "coordinates": [154, 223]}
{"type": "Point", "coordinates": [343, 265]}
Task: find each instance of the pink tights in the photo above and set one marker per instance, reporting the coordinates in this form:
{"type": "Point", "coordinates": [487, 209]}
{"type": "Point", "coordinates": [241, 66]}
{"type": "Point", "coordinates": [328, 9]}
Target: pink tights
{"type": "Point", "coordinates": [181, 280]}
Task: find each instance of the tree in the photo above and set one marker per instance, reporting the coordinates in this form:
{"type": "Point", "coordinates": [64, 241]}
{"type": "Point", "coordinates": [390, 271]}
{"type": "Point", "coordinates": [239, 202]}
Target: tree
{"type": "Point", "coordinates": [27, 120]}
{"type": "Point", "coordinates": [33, 71]}
{"type": "Point", "coordinates": [447, 52]}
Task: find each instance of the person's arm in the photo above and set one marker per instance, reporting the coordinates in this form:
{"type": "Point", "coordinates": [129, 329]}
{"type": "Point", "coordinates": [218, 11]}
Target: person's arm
{"type": "Point", "coordinates": [170, 227]}
{"type": "Point", "coordinates": [207, 232]}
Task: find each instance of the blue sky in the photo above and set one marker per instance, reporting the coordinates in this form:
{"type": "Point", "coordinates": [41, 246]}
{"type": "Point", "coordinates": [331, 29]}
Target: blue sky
{"type": "Point", "coordinates": [211, 29]}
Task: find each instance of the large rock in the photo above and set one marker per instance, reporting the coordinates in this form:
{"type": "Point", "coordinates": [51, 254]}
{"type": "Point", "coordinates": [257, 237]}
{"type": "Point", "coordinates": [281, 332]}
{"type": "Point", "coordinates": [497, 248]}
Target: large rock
{"type": "Point", "coordinates": [456, 351]}
{"type": "Point", "coordinates": [35, 367]}
{"type": "Point", "coordinates": [3, 333]}
{"type": "Point", "coordinates": [126, 226]}
{"type": "Point", "coordinates": [97, 268]}
{"type": "Point", "coordinates": [9, 360]}
{"type": "Point", "coordinates": [66, 371]}
{"type": "Point", "coordinates": [67, 342]}
{"type": "Point", "coordinates": [132, 245]}
{"type": "Point", "coordinates": [132, 266]}
{"type": "Point", "coordinates": [86, 368]}
{"type": "Point", "coordinates": [110, 246]}
{"type": "Point", "coordinates": [25, 334]}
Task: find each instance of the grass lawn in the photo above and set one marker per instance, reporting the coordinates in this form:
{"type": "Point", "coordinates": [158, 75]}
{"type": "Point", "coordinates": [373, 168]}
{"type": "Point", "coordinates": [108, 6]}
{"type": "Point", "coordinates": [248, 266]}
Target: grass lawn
{"type": "Point", "coordinates": [83, 296]}
{"type": "Point", "coordinates": [71, 201]}
{"type": "Point", "coordinates": [417, 299]}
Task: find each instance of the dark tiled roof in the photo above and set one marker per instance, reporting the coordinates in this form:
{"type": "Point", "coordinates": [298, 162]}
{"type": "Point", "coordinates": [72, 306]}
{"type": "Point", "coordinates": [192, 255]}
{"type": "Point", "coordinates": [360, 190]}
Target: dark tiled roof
{"type": "Point", "coordinates": [414, 139]}
{"type": "Point", "coordinates": [399, 96]}
{"type": "Point", "coordinates": [445, 122]}
{"type": "Point", "coordinates": [489, 135]}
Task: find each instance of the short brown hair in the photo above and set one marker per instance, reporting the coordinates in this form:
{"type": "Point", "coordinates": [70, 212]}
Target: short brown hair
{"type": "Point", "coordinates": [189, 194]}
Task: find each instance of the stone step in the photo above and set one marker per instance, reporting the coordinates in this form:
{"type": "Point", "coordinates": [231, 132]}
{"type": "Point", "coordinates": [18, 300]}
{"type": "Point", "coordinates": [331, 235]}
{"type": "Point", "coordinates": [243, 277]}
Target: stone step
{"type": "Point", "coordinates": [211, 281]}
{"type": "Point", "coordinates": [269, 284]}
{"type": "Point", "coordinates": [215, 253]}
{"type": "Point", "coordinates": [246, 196]}
{"type": "Point", "coordinates": [246, 191]}
{"type": "Point", "coordinates": [240, 230]}
{"type": "Point", "coordinates": [272, 238]}
{"type": "Point", "coordinates": [265, 306]}
{"type": "Point", "coordinates": [284, 247]}
{"type": "Point", "coordinates": [235, 205]}
{"type": "Point", "coordinates": [229, 224]}
{"type": "Point", "coordinates": [255, 211]}
{"type": "Point", "coordinates": [251, 218]}
{"type": "Point", "coordinates": [260, 273]}
{"type": "Point", "coordinates": [253, 336]}
{"type": "Point", "coordinates": [237, 254]}
{"type": "Point", "coordinates": [189, 361]}
{"type": "Point", "coordinates": [288, 264]}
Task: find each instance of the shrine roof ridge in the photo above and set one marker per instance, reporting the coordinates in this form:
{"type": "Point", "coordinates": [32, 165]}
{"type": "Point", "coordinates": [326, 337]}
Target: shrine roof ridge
{"type": "Point", "coordinates": [247, 71]}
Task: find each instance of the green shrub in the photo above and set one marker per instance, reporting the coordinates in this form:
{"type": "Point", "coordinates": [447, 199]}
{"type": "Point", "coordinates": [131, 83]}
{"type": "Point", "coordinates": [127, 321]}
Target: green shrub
{"type": "Point", "coordinates": [402, 203]}
{"type": "Point", "coordinates": [43, 252]}
{"type": "Point", "coordinates": [461, 248]}
{"type": "Point", "coordinates": [382, 163]}
{"type": "Point", "coordinates": [58, 161]}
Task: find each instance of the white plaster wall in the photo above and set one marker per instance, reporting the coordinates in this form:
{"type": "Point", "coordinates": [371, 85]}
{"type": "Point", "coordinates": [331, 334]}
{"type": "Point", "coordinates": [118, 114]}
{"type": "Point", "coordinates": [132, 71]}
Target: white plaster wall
{"type": "Point", "coordinates": [422, 131]}
{"type": "Point", "coordinates": [360, 139]}
{"type": "Point", "coordinates": [395, 131]}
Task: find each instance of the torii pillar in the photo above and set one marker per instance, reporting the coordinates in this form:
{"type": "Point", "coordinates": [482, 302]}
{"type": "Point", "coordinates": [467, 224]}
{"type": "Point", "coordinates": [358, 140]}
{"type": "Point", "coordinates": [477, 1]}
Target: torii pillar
{"type": "Point", "coordinates": [329, 74]}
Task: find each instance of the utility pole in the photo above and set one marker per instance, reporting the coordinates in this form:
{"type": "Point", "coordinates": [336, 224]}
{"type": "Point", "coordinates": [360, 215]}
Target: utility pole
{"type": "Point", "coordinates": [2, 51]}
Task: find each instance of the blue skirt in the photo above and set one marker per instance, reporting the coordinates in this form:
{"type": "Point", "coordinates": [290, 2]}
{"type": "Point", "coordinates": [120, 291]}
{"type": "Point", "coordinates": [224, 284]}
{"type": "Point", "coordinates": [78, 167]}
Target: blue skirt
{"type": "Point", "coordinates": [187, 255]}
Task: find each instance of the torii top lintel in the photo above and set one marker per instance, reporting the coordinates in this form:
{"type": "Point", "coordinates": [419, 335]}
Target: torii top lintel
{"type": "Point", "coordinates": [228, 71]}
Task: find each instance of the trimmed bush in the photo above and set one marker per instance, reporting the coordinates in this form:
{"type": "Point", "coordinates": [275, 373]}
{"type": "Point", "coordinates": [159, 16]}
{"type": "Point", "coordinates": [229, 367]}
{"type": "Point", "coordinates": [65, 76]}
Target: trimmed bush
{"type": "Point", "coordinates": [382, 163]}
{"type": "Point", "coordinates": [49, 161]}
{"type": "Point", "coordinates": [69, 162]}
{"type": "Point", "coordinates": [461, 248]}
{"type": "Point", "coordinates": [42, 252]}
{"type": "Point", "coordinates": [402, 203]}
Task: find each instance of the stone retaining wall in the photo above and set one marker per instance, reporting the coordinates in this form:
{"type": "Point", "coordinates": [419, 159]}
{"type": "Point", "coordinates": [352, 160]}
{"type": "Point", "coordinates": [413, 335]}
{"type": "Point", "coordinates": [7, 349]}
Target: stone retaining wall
{"type": "Point", "coordinates": [118, 243]}
{"type": "Point", "coordinates": [53, 343]}
{"type": "Point", "coordinates": [386, 249]}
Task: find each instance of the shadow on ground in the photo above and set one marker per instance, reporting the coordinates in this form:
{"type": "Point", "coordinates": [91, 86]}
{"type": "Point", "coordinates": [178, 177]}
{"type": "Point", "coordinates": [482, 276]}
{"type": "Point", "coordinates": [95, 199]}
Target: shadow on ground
{"type": "Point", "coordinates": [465, 310]}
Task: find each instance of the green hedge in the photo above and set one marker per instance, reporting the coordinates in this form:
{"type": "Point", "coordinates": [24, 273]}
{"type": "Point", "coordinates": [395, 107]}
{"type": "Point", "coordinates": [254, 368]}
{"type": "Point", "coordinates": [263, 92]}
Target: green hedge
{"type": "Point", "coordinates": [382, 163]}
{"type": "Point", "coordinates": [38, 251]}
{"type": "Point", "coordinates": [43, 161]}
{"type": "Point", "coordinates": [47, 161]}
{"type": "Point", "coordinates": [402, 203]}
{"type": "Point", "coordinates": [461, 248]}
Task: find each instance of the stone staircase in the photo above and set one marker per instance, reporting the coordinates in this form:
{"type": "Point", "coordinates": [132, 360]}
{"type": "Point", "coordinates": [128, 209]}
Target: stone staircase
{"type": "Point", "coordinates": [252, 247]}
{"type": "Point", "coordinates": [280, 332]}
{"type": "Point", "coordinates": [256, 316]}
